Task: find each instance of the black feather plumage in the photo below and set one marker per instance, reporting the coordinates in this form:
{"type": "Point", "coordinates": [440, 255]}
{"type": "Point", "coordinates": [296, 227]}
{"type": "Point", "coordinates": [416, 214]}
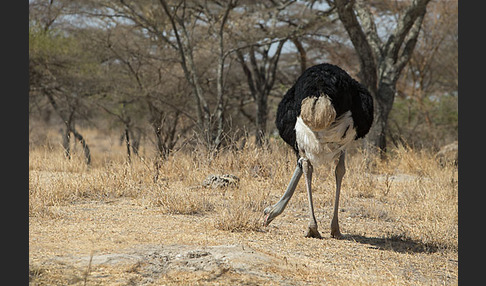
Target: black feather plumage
{"type": "Point", "coordinates": [345, 93]}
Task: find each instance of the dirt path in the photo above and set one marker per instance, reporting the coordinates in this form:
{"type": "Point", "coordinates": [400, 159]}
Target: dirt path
{"type": "Point", "coordinates": [124, 242]}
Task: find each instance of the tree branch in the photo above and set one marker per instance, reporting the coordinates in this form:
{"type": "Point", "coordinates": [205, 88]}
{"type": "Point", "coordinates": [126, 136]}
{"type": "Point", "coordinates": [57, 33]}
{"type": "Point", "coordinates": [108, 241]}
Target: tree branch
{"type": "Point", "coordinates": [368, 23]}
{"type": "Point", "coordinates": [405, 23]}
{"type": "Point", "coordinates": [411, 42]}
{"type": "Point", "coordinates": [365, 53]}
{"type": "Point", "coordinates": [272, 69]}
{"type": "Point", "coordinates": [302, 54]}
{"type": "Point", "coordinates": [247, 72]}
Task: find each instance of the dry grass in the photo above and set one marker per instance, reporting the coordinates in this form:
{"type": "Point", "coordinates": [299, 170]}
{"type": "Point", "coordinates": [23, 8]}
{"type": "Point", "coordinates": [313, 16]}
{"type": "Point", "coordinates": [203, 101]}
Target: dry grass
{"type": "Point", "coordinates": [406, 206]}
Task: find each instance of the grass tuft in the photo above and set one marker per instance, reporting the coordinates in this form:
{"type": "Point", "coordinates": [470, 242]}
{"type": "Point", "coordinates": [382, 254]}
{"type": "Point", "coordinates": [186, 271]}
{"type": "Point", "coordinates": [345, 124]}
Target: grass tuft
{"type": "Point", "coordinates": [409, 189]}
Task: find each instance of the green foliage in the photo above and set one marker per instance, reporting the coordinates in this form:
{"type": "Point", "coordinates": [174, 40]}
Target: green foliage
{"type": "Point", "coordinates": [446, 111]}
{"type": "Point", "coordinates": [120, 70]}
{"type": "Point", "coordinates": [63, 53]}
{"type": "Point", "coordinates": [51, 44]}
{"type": "Point", "coordinates": [428, 123]}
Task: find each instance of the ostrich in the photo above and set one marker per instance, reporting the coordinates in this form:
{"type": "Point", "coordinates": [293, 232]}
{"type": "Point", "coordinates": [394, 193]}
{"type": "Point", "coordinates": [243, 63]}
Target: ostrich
{"type": "Point", "coordinates": [319, 116]}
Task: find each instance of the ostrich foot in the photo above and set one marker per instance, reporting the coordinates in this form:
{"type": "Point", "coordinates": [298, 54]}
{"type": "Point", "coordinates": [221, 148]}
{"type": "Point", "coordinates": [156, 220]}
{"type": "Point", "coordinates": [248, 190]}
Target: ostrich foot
{"type": "Point", "coordinates": [312, 232]}
{"type": "Point", "coordinates": [336, 233]}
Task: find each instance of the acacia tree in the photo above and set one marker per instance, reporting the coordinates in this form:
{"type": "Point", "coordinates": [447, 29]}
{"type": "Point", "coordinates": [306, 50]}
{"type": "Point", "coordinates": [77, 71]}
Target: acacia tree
{"type": "Point", "coordinates": [60, 70]}
{"type": "Point", "coordinates": [182, 16]}
{"type": "Point", "coordinates": [140, 82]}
{"type": "Point", "coordinates": [381, 62]}
{"type": "Point", "coordinates": [427, 114]}
{"type": "Point", "coordinates": [261, 77]}
{"type": "Point", "coordinates": [261, 33]}
{"type": "Point", "coordinates": [183, 27]}
{"type": "Point", "coordinates": [259, 60]}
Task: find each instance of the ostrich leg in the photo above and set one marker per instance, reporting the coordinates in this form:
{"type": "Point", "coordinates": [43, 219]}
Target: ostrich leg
{"type": "Point", "coordinates": [272, 212]}
{"type": "Point", "coordinates": [339, 172]}
{"type": "Point", "coordinates": [312, 230]}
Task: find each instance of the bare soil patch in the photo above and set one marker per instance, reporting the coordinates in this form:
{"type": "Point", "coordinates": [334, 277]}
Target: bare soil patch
{"type": "Point", "coordinates": [113, 224]}
{"type": "Point", "coordinates": [123, 242]}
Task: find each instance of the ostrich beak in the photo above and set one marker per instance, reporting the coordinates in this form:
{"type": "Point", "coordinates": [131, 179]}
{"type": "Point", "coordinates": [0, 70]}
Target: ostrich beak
{"type": "Point", "coordinates": [268, 216]}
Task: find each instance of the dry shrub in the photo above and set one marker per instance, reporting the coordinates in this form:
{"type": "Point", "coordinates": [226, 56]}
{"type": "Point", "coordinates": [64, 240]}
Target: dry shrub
{"type": "Point", "coordinates": [263, 172]}
{"type": "Point", "coordinates": [409, 189]}
{"type": "Point", "coordinates": [41, 197]}
{"type": "Point", "coordinates": [239, 212]}
{"type": "Point", "coordinates": [180, 200]}
{"type": "Point", "coordinates": [54, 180]}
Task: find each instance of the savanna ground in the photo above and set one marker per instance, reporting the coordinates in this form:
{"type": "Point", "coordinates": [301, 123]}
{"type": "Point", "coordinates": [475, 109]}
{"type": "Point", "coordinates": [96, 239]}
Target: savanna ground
{"type": "Point", "coordinates": [112, 224]}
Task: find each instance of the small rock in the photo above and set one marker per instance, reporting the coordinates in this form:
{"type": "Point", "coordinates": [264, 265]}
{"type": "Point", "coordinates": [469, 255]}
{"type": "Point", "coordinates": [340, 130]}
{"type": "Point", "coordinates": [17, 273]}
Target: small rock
{"type": "Point", "coordinates": [448, 154]}
{"type": "Point", "coordinates": [218, 181]}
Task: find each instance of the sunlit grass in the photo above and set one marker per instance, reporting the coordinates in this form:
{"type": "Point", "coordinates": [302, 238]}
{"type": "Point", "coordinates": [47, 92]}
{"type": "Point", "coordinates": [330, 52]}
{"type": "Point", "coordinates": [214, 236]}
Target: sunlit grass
{"type": "Point", "coordinates": [410, 188]}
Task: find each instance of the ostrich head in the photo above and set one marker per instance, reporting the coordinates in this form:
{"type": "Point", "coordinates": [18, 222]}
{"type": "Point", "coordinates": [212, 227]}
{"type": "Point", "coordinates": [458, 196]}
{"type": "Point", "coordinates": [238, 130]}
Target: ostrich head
{"type": "Point", "coordinates": [270, 214]}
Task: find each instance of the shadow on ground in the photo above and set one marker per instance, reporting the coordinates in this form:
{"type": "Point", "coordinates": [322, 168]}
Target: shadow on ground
{"type": "Point", "coordinates": [394, 243]}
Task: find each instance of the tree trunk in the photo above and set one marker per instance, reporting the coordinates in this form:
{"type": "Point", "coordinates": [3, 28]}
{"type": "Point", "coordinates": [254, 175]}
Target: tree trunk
{"type": "Point", "coordinates": [381, 62]}
{"type": "Point", "coordinates": [69, 121]}
{"type": "Point", "coordinates": [219, 113]}
{"type": "Point", "coordinates": [385, 96]}
{"type": "Point", "coordinates": [261, 120]}
{"type": "Point", "coordinates": [127, 142]}
{"type": "Point", "coordinates": [260, 79]}
{"type": "Point", "coordinates": [210, 125]}
{"type": "Point", "coordinates": [66, 139]}
{"type": "Point", "coordinates": [87, 152]}
{"type": "Point", "coordinates": [135, 138]}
